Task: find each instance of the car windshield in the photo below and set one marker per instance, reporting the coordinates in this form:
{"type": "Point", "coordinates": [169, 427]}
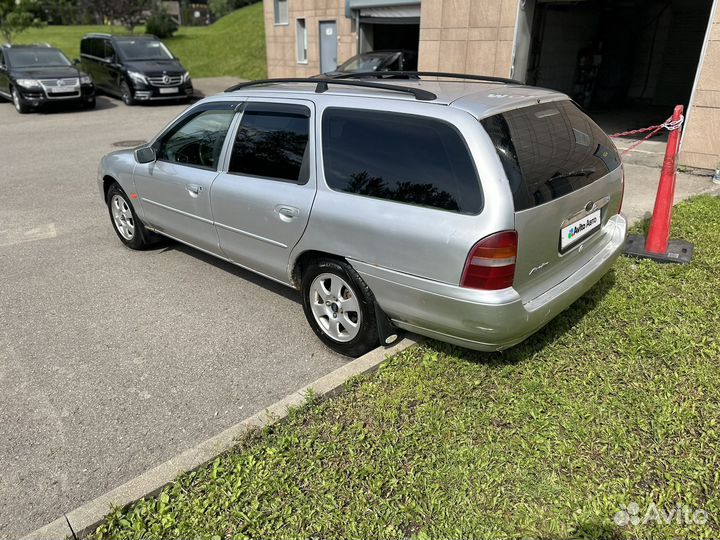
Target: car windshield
{"type": "Point", "coordinates": [143, 49]}
{"type": "Point", "coordinates": [365, 62]}
{"type": "Point", "coordinates": [24, 58]}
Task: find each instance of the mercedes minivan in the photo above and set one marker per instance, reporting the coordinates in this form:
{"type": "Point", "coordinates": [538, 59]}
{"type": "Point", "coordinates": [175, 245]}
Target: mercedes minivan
{"type": "Point", "coordinates": [134, 68]}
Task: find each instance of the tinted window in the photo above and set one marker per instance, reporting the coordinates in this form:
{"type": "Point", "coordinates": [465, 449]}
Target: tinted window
{"type": "Point", "coordinates": [93, 47]}
{"type": "Point", "coordinates": [549, 150]}
{"type": "Point", "coordinates": [272, 142]}
{"type": "Point", "coordinates": [143, 49]}
{"type": "Point", "coordinates": [198, 141]}
{"type": "Point", "coordinates": [399, 157]}
{"type": "Point", "coordinates": [37, 57]}
{"type": "Point", "coordinates": [109, 51]}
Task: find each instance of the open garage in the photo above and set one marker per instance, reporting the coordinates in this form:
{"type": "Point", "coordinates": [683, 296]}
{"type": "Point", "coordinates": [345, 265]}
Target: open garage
{"type": "Point", "coordinates": [389, 28]}
{"type": "Point", "coordinates": [626, 61]}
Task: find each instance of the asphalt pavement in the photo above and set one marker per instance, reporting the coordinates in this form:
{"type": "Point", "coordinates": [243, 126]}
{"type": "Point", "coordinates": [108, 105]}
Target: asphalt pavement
{"type": "Point", "coordinates": [113, 361]}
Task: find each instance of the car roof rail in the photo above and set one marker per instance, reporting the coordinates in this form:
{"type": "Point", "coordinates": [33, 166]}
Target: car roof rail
{"type": "Point", "coordinates": [407, 74]}
{"type": "Point", "coordinates": [97, 34]}
{"type": "Point", "coordinates": [322, 86]}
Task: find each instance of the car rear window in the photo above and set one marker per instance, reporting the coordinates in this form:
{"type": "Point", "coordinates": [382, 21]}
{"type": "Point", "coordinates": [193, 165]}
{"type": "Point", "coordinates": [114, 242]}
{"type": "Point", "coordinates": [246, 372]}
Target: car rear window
{"type": "Point", "coordinates": [549, 150]}
{"type": "Point", "coordinates": [399, 157]}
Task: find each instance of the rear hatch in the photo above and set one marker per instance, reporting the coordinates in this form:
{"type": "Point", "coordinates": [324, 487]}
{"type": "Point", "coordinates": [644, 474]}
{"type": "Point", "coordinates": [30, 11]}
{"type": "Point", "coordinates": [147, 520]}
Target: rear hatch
{"type": "Point", "coordinates": [566, 181]}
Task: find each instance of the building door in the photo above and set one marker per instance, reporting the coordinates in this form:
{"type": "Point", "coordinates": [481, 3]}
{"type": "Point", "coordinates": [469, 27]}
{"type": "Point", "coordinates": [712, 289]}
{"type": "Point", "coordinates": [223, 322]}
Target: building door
{"type": "Point", "coordinates": [328, 46]}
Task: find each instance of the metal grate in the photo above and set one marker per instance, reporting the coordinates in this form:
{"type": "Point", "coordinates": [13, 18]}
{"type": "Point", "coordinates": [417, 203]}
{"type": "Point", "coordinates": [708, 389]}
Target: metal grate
{"type": "Point", "coordinates": [52, 83]}
{"type": "Point", "coordinates": [167, 80]}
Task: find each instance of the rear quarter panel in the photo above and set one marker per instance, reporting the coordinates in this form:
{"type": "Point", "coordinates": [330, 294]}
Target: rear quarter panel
{"type": "Point", "coordinates": [429, 243]}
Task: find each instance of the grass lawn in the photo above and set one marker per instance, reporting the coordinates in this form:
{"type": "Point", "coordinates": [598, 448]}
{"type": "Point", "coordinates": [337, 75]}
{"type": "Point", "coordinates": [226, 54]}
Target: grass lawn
{"type": "Point", "coordinates": [615, 403]}
{"type": "Point", "coordinates": [234, 45]}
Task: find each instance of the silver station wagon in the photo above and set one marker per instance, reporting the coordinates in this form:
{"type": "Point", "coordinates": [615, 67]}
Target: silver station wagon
{"type": "Point", "coordinates": [468, 209]}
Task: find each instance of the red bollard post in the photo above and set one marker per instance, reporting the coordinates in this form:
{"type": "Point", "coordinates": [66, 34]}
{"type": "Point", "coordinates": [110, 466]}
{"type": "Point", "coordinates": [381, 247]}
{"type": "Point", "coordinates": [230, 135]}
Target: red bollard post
{"type": "Point", "coordinates": [658, 245]}
{"type": "Point", "coordinates": [659, 233]}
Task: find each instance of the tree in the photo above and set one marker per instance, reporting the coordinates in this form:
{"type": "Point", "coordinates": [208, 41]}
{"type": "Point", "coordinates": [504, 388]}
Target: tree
{"type": "Point", "coordinates": [129, 13]}
{"type": "Point", "coordinates": [160, 23]}
{"type": "Point", "coordinates": [15, 18]}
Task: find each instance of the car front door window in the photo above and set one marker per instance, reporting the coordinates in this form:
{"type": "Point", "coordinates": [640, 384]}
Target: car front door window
{"type": "Point", "coordinates": [198, 142]}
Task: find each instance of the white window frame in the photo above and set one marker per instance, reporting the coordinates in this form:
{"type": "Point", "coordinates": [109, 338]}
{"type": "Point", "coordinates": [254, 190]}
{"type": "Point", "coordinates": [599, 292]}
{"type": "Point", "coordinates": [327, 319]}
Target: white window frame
{"type": "Point", "coordinates": [277, 14]}
{"type": "Point", "coordinates": [301, 40]}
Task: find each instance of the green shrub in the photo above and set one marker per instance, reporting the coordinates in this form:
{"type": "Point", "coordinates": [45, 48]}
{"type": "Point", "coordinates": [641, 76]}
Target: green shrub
{"type": "Point", "coordinates": [161, 24]}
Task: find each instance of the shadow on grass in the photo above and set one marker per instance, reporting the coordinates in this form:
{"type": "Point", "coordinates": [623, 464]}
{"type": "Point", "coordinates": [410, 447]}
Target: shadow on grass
{"type": "Point", "coordinates": [558, 326]}
{"type": "Point", "coordinates": [586, 531]}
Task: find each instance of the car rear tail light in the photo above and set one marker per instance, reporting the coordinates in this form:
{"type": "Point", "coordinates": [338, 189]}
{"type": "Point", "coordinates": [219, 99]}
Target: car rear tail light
{"type": "Point", "coordinates": [491, 263]}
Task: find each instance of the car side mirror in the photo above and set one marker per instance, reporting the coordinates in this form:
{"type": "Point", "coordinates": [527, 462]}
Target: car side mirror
{"type": "Point", "coordinates": [76, 62]}
{"type": "Point", "coordinates": [146, 154]}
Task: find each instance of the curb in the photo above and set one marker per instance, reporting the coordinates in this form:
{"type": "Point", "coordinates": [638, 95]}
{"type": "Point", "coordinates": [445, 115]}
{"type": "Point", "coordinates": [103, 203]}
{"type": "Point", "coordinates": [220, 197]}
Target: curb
{"type": "Point", "coordinates": [89, 516]}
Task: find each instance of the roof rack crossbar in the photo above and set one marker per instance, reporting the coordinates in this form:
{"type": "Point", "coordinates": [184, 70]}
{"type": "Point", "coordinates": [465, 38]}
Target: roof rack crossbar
{"type": "Point", "coordinates": [398, 74]}
{"type": "Point", "coordinates": [321, 86]}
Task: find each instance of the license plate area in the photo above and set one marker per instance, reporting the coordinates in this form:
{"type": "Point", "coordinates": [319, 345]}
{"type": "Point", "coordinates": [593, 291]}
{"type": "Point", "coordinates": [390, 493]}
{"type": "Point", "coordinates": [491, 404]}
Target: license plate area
{"type": "Point", "coordinates": [62, 89]}
{"type": "Point", "coordinates": [578, 230]}
{"type": "Point", "coordinates": [169, 90]}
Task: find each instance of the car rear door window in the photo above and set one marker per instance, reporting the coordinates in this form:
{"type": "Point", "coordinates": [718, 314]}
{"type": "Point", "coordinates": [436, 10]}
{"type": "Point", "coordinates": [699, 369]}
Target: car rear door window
{"type": "Point", "coordinates": [399, 157]}
{"type": "Point", "coordinates": [272, 142]}
{"type": "Point", "coordinates": [549, 150]}
{"type": "Point", "coordinates": [198, 140]}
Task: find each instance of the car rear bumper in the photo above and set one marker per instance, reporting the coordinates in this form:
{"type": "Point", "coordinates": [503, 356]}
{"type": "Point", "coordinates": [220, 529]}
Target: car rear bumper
{"type": "Point", "coordinates": [484, 320]}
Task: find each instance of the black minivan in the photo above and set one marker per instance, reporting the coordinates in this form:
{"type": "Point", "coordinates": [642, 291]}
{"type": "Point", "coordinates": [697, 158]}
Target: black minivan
{"type": "Point", "coordinates": [134, 68]}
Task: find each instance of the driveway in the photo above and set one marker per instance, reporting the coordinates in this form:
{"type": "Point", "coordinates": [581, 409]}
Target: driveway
{"type": "Point", "coordinates": [113, 361]}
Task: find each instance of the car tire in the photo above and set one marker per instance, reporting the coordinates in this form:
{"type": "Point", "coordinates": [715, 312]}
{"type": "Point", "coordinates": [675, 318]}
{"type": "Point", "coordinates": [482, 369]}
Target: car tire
{"type": "Point", "coordinates": [20, 105]}
{"type": "Point", "coordinates": [126, 94]}
{"type": "Point", "coordinates": [127, 225]}
{"type": "Point", "coordinates": [340, 307]}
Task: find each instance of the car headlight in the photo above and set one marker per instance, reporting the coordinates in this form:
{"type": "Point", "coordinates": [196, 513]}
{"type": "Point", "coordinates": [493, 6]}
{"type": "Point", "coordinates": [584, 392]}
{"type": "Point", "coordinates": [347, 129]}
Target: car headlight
{"type": "Point", "coordinates": [186, 77]}
{"type": "Point", "coordinates": [28, 83]}
{"type": "Point", "coordinates": [86, 79]}
{"type": "Point", "coordinates": [137, 78]}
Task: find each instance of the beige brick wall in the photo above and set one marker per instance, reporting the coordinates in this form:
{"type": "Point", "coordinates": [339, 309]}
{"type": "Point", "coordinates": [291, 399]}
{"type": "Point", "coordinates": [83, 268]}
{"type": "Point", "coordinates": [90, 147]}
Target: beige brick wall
{"type": "Point", "coordinates": [701, 144]}
{"type": "Point", "coordinates": [281, 39]}
{"type": "Point", "coordinates": [467, 36]}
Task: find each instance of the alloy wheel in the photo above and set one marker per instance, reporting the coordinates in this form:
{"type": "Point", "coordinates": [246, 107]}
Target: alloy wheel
{"type": "Point", "coordinates": [335, 307]}
{"type": "Point", "coordinates": [16, 100]}
{"type": "Point", "coordinates": [122, 217]}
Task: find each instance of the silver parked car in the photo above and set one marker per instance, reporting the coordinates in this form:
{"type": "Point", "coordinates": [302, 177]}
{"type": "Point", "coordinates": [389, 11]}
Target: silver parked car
{"type": "Point", "coordinates": [470, 211]}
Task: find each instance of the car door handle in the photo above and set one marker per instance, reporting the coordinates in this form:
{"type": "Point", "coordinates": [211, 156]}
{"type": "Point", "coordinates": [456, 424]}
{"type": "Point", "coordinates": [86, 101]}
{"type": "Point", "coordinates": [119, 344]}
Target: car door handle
{"type": "Point", "coordinates": [286, 212]}
{"type": "Point", "coordinates": [193, 189]}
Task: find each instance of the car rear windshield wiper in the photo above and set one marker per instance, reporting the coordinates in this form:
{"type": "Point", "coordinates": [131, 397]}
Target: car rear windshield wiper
{"type": "Point", "coordinates": [571, 174]}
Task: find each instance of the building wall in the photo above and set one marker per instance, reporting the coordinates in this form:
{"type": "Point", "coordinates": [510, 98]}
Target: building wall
{"type": "Point", "coordinates": [701, 144]}
{"type": "Point", "coordinates": [467, 36]}
{"type": "Point", "coordinates": [476, 36]}
{"type": "Point", "coordinates": [281, 39]}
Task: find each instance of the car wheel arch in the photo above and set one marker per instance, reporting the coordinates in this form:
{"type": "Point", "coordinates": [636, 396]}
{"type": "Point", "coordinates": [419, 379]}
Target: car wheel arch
{"type": "Point", "coordinates": [304, 259]}
{"type": "Point", "coordinates": [107, 182]}
{"type": "Point", "coordinates": [387, 331]}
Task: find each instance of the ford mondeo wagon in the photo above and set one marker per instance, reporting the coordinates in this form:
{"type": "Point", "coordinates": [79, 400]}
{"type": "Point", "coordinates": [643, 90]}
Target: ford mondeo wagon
{"type": "Point", "coordinates": [471, 211]}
